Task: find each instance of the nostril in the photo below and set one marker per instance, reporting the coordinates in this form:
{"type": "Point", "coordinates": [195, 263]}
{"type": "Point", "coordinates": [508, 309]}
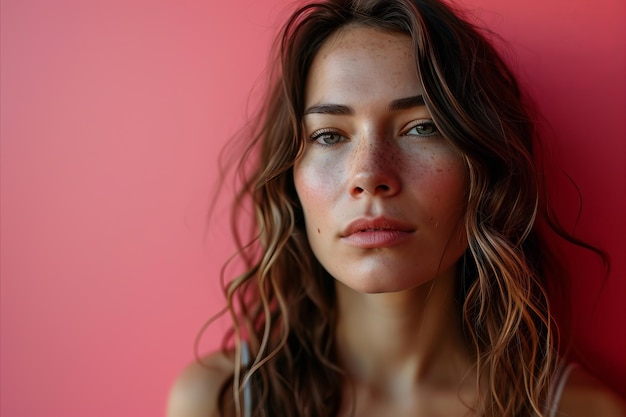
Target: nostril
{"type": "Point", "coordinates": [374, 183]}
{"type": "Point", "coordinates": [381, 188]}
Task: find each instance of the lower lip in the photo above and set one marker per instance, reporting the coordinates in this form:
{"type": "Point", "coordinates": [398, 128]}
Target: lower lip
{"type": "Point", "coordinates": [377, 238]}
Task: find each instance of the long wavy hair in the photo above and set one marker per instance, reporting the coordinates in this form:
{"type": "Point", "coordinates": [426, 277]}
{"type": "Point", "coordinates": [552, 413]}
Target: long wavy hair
{"type": "Point", "coordinates": [283, 306]}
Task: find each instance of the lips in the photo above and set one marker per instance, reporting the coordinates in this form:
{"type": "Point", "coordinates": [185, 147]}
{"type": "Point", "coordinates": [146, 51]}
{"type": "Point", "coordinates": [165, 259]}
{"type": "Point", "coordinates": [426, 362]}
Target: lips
{"type": "Point", "coordinates": [376, 233]}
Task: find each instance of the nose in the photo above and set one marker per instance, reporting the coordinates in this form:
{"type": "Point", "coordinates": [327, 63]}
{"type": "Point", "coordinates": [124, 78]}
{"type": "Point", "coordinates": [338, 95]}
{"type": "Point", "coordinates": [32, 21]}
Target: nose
{"type": "Point", "coordinates": [374, 170]}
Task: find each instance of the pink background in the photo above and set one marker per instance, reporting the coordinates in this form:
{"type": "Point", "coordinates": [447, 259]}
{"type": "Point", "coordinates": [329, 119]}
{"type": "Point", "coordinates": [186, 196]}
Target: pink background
{"type": "Point", "coordinates": [112, 116]}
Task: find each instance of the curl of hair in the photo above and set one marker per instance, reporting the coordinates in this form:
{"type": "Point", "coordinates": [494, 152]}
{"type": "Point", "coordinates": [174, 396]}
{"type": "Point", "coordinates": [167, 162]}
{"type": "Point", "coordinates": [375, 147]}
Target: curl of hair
{"type": "Point", "coordinates": [284, 305]}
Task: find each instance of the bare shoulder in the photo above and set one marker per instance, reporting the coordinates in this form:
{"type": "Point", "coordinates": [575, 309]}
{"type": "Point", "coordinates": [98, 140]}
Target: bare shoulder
{"type": "Point", "coordinates": [584, 395]}
{"type": "Point", "coordinates": [195, 392]}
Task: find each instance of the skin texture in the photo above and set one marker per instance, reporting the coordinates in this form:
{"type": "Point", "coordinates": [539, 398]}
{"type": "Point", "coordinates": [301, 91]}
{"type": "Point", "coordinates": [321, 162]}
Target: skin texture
{"type": "Point", "coordinates": [367, 161]}
{"type": "Point", "coordinates": [399, 338]}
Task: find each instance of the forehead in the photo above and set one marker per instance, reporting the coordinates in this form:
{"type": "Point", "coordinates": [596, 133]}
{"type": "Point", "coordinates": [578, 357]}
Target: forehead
{"type": "Point", "coordinates": [356, 60]}
{"type": "Point", "coordinates": [365, 38]}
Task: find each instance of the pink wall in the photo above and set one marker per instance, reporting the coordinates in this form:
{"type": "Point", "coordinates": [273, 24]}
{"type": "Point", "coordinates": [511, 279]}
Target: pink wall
{"type": "Point", "coordinates": [112, 116]}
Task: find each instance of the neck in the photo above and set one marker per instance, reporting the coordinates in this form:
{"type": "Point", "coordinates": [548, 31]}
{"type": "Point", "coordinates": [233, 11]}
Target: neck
{"type": "Point", "coordinates": [403, 338]}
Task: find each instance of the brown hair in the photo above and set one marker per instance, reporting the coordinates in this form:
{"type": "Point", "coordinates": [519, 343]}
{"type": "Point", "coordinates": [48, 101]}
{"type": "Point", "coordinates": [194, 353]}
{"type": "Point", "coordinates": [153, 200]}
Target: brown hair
{"type": "Point", "coordinates": [284, 305]}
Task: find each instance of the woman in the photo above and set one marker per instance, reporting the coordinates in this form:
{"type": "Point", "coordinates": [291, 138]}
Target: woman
{"type": "Point", "coordinates": [398, 268]}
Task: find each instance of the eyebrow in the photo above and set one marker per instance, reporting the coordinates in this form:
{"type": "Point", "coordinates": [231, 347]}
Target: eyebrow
{"type": "Point", "coordinates": [407, 103]}
{"type": "Point", "coordinates": [341, 110]}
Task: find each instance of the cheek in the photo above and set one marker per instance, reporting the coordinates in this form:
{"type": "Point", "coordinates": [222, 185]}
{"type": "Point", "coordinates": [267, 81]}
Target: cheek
{"type": "Point", "coordinates": [440, 180]}
{"type": "Point", "coordinates": [317, 186]}
{"type": "Point", "coordinates": [450, 180]}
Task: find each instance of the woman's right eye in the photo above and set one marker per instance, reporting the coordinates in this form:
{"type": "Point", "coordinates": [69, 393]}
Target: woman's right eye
{"type": "Point", "coordinates": [327, 138]}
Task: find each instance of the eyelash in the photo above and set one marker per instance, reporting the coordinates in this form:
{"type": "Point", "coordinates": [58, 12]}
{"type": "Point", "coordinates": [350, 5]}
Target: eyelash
{"type": "Point", "coordinates": [320, 134]}
{"type": "Point", "coordinates": [423, 123]}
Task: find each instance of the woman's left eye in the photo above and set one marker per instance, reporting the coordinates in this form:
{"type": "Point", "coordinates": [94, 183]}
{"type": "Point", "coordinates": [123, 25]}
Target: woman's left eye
{"type": "Point", "coordinates": [423, 129]}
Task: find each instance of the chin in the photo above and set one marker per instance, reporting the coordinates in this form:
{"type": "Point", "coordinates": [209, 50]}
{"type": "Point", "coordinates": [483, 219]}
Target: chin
{"type": "Point", "coordinates": [380, 286]}
{"type": "Point", "coordinates": [390, 279]}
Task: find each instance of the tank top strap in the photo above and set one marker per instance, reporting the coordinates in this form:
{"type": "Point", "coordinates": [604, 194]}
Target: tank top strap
{"type": "Point", "coordinates": [556, 389]}
{"type": "Point", "coordinates": [247, 391]}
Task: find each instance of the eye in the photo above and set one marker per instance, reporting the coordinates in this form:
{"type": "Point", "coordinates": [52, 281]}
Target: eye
{"type": "Point", "coordinates": [327, 137]}
{"type": "Point", "coordinates": [423, 128]}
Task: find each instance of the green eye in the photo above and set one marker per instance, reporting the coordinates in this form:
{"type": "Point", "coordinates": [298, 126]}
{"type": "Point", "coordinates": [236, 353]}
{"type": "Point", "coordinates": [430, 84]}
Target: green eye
{"type": "Point", "coordinates": [423, 129]}
{"type": "Point", "coordinates": [327, 138]}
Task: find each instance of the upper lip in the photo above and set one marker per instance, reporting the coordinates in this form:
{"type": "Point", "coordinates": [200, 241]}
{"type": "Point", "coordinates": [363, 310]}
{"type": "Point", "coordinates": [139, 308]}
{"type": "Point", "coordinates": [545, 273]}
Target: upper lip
{"type": "Point", "coordinates": [373, 224]}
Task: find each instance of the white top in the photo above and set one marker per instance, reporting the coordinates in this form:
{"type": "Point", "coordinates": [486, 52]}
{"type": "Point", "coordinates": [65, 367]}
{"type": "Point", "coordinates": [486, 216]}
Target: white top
{"type": "Point", "coordinates": [556, 390]}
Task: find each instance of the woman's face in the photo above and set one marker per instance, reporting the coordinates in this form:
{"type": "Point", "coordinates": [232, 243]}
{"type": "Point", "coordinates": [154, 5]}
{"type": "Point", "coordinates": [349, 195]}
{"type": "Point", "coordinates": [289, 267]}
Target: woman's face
{"type": "Point", "coordinates": [383, 193]}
